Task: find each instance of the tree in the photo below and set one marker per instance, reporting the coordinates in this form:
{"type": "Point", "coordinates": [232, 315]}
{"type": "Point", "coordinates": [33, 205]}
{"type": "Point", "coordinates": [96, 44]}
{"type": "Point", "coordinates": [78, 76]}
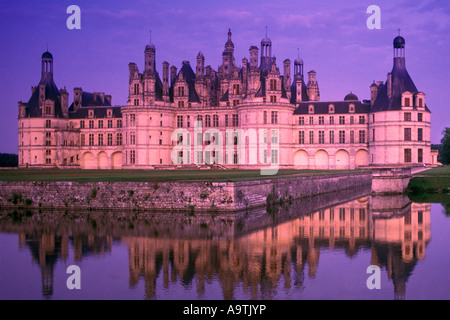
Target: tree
{"type": "Point", "coordinates": [8, 160]}
{"type": "Point", "coordinates": [445, 153]}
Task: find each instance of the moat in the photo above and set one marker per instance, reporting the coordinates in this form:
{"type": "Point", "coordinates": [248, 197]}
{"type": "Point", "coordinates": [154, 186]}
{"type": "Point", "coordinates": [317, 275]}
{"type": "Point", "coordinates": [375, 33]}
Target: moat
{"type": "Point", "coordinates": [314, 248]}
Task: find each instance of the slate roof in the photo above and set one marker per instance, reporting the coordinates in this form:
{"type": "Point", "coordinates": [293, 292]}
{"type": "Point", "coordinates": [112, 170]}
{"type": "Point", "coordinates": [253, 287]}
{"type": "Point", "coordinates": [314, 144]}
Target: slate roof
{"type": "Point", "coordinates": [51, 93]}
{"type": "Point", "coordinates": [189, 77]}
{"type": "Point", "coordinates": [340, 107]}
{"type": "Point", "coordinates": [401, 82]}
{"type": "Point", "coordinates": [305, 96]}
{"type": "Point", "coordinates": [99, 112]}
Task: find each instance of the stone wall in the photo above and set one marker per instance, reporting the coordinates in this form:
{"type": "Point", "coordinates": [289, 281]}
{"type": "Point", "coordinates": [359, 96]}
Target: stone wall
{"type": "Point", "coordinates": [174, 196]}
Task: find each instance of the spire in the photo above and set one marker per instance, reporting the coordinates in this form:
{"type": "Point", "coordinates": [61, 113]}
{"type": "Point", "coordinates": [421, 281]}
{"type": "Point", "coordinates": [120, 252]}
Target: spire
{"type": "Point", "coordinates": [229, 45]}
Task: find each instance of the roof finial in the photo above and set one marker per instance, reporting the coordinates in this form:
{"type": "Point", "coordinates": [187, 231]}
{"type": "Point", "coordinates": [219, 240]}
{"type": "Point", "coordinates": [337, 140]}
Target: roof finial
{"type": "Point", "coordinates": [266, 31]}
{"type": "Point", "coordinates": [399, 31]}
{"type": "Point", "coordinates": [298, 53]}
{"type": "Point", "coordinates": [150, 35]}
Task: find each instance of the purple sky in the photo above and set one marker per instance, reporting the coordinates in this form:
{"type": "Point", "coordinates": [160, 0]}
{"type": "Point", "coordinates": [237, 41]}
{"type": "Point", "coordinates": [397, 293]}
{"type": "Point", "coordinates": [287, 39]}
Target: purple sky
{"type": "Point", "coordinates": [332, 38]}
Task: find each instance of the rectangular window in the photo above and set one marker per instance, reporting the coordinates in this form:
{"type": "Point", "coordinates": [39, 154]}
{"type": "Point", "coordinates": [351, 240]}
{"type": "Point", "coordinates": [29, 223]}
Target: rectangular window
{"type": "Point", "coordinates": [407, 102]}
{"type": "Point", "coordinates": [321, 120]}
{"type": "Point", "coordinates": [100, 139]}
{"type": "Point", "coordinates": [352, 119]}
{"type": "Point", "coordinates": [226, 120]}
{"type": "Point", "coordinates": [91, 124]}
{"type": "Point", "coordinates": [420, 117]}
{"type": "Point", "coordinates": [419, 134]}
{"type": "Point", "coordinates": [273, 98]}
{"type": "Point", "coordinates": [311, 137]}
{"type": "Point", "coordinates": [331, 119]}
{"type": "Point", "coordinates": [48, 123]}
{"type": "Point", "coordinates": [136, 88]}
{"type": "Point", "coordinates": [119, 139]}
{"type": "Point", "coordinates": [301, 121]}
{"type": "Point", "coordinates": [301, 137]}
{"type": "Point", "coordinates": [100, 123]}
{"type": "Point", "coordinates": [82, 124]}
{"type": "Point", "coordinates": [274, 155]}
{"type": "Point", "coordinates": [180, 121]}
{"type": "Point", "coordinates": [352, 136]}
{"type": "Point", "coordinates": [331, 136]}
{"type": "Point", "coordinates": [132, 119]}
{"type": "Point", "coordinates": [407, 116]}
{"type": "Point", "coordinates": [407, 134]}
{"type": "Point", "coordinates": [274, 136]}
{"type": "Point", "coordinates": [83, 140]}
{"type": "Point", "coordinates": [420, 155]}
{"type": "Point", "coordinates": [274, 117]}
{"type": "Point", "coordinates": [373, 134]}
{"type": "Point", "coordinates": [109, 139]}
{"type": "Point", "coordinates": [265, 117]}
{"type": "Point", "coordinates": [236, 89]}
{"type": "Point", "coordinates": [362, 119]}
{"type": "Point", "coordinates": [188, 124]}
{"type": "Point", "coordinates": [407, 155]}
{"type": "Point", "coordinates": [341, 119]}
{"type": "Point", "coordinates": [341, 136]}
{"type": "Point", "coordinates": [132, 138]}
{"type": "Point", "coordinates": [235, 120]}
{"type": "Point", "coordinates": [215, 120]}
{"type": "Point", "coordinates": [321, 137]}
{"type": "Point", "coordinates": [420, 102]}
{"type": "Point", "coordinates": [91, 139]}
{"type": "Point", "coordinates": [119, 123]}
{"type": "Point", "coordinates": [132, 157]}
{"type": "Point", "coordinates": [311, 120]}
{"type": "Point", "coordinates": [110, 124]}
{"type": "Point", "coordinates": [362, 136]}
{"type": "Point", "coordinates": [273, 85]}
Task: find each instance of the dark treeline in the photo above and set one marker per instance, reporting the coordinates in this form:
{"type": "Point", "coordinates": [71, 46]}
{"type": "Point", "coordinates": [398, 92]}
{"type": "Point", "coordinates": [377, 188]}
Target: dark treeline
{"type": "Point", "coordinates": [9, 160]}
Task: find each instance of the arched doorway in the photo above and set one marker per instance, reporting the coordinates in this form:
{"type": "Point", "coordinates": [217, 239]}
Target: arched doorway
{"type": "Point", "coordinates": [116, 160]}
{"type": "Point", "coordinates": [342, 160]}
{"type": "Point", "coordinates": [321, 161]}
{"type": "Point", "coordinates": [361, 158]}
{"type": "Point", "coordinates": [88, 161]}
{"type": "Point", "coordinates": [102, 160]}
{"type": "Point", "coordinates": [301, 160]}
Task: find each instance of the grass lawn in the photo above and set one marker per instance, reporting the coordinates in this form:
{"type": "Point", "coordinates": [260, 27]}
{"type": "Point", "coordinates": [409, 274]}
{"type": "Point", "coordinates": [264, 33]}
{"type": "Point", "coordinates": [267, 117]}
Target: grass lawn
{"type": "Point", "coordinates": [443, 171]}
{"type": "Point", "coordinates": [433, 180]}
{"type": "Point", "coordinates": [152, 175]}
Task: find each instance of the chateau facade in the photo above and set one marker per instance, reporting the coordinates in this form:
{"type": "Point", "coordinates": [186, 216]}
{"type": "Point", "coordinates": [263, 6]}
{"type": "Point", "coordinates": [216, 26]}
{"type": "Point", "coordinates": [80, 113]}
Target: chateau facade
{"type": "Point", "coordinates": [247, 116]}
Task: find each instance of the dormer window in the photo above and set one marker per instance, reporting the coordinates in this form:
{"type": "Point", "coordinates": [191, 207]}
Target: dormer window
{"type": "Point", "coordinates": [420, 100]}
{"type": "Point", "coordinates": [407, 99]}
{"type": "Point", "coordinates": [109, 113]}
{"type": "Point", "coordinates": [181, 91]}
{"type": "Point", "coordinates": [351, 108]}
{"type": "Point", "coordinates": [331, 108]}
{"type": "Point", "coordinates": [311, 108]}
{"type": "Point", "coordinates": [91, 113]}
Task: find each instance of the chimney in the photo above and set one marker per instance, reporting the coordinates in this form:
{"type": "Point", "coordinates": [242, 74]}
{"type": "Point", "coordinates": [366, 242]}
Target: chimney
{"type": "Point", "coordinates": [173, 74]}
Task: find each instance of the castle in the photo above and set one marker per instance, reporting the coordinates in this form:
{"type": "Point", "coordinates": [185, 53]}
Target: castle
{"type": "Point", "coordinates": [248, 117]}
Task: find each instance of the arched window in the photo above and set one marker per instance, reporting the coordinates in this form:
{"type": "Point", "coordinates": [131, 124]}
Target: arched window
{"type": "Point", "coordinates": [215, 120]}
{"type": "Point", "coordinates": [207, 120]}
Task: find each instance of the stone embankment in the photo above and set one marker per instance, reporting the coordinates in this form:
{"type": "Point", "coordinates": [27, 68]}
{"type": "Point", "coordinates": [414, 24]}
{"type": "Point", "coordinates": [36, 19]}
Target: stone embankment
{"type": "Point", "coordinates": [173, 196]}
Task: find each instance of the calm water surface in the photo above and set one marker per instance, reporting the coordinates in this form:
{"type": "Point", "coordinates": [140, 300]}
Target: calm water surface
{"type": "Point", "coordinates": [315, 249]}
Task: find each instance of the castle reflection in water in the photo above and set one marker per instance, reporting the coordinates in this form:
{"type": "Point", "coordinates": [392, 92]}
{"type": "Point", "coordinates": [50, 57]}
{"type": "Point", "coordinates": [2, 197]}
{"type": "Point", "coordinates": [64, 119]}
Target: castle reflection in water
{"type": "Point", "coordinates": [253, 250]}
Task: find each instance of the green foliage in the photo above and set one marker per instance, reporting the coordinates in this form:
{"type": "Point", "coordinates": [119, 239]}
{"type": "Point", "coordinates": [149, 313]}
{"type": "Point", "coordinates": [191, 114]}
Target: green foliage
{"type": "Point", "coordinates": [445, 152]}
{"type": "Point", "coordinates": [9, 160]}
{"type": "Point", "coordinates": [429, 184]}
